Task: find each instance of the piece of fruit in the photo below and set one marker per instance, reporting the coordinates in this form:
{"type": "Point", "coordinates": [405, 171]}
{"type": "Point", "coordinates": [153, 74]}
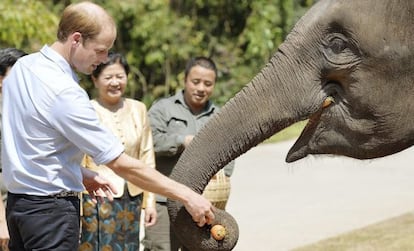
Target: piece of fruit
{"type": "Point", "coordinates": [218, 232]}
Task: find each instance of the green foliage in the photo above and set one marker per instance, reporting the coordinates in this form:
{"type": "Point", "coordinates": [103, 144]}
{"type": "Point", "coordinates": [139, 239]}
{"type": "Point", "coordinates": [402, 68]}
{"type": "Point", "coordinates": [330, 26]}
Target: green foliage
{"type": "Point", "coordinates": [288, 133]}
{"type": "Point", "coordinates": [26, 24]}
{"type": "Point", "coordinates": [159, 36]}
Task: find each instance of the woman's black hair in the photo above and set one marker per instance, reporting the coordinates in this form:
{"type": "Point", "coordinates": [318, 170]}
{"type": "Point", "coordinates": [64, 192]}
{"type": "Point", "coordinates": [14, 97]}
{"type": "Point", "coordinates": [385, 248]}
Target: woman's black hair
{"type": "Point", "coordinates": [113, 58]}
{"type": "Point", "coordinates": [8, 57]}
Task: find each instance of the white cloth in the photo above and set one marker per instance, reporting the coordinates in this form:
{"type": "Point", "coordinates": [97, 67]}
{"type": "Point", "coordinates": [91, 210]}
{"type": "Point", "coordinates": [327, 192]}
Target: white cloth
{"type": "Point", "coordinates": [48, 122]}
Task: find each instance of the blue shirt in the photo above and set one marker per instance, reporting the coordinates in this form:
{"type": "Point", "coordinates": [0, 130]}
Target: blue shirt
{"type": "Point", "coordinates": [48, 123]}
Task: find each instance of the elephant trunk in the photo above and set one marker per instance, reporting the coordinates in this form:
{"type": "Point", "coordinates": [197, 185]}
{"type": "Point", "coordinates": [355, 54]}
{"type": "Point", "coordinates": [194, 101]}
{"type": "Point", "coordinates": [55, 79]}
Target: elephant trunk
{"type": "Point", "coordinates": [268, 104]}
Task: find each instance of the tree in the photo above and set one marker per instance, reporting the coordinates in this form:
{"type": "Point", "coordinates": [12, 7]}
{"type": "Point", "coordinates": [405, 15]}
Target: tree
{"type": "Point", "coordinates": [26, 24]}
{"type": "Point", "coordinates": [241, 36]}
{"type": "Point", "coordinates": [159, 36]}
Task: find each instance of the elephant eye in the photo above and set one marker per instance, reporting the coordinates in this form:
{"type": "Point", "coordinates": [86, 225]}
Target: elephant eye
{"type": "Point", "coordinates": [337, 45]}
{"type": "Point", "coordinates": [339, 50]}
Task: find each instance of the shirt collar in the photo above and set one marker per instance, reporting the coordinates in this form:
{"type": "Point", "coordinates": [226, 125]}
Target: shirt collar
{"type": "Point", "coordinates": [60, 61]}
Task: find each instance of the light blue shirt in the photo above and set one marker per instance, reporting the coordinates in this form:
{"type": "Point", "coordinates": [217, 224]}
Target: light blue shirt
{"type": "Point", "coordinates": [48, 123]}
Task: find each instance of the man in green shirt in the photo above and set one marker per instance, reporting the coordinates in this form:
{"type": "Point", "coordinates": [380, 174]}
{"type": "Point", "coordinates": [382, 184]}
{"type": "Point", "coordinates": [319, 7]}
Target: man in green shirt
{"type": "Point", "coordinates": [174, 122]}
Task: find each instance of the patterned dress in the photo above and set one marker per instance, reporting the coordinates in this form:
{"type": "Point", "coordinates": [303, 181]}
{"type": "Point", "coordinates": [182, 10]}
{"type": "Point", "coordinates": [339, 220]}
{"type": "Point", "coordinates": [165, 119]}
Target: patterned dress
{"type": "Point", "coordinates": [115, 225]}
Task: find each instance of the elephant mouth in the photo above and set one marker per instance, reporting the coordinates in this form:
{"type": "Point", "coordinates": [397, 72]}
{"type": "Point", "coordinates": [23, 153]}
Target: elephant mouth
{"type": "Point", "coordinates": [300, 149]}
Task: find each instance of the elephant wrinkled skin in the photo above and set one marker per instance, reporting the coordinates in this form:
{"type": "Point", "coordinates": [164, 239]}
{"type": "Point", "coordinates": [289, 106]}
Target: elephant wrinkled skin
{"type": "Point", "coordinates": [347, 67]}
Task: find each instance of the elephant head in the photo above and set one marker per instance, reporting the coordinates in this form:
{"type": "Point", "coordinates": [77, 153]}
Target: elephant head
{"type": "Point", "coordinates": [347, 67]}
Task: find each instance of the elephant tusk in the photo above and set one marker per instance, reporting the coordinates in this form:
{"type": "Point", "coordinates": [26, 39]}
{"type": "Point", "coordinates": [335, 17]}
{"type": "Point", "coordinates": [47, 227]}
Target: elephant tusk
{"type": "Point", "coordinates": [328, 101]}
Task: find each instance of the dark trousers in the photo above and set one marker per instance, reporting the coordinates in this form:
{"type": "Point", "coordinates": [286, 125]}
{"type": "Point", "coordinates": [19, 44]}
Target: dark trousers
{"type": "Point", "coordinates": [42, 223]}
{"type": "Point", "coordinates": [161, 237]}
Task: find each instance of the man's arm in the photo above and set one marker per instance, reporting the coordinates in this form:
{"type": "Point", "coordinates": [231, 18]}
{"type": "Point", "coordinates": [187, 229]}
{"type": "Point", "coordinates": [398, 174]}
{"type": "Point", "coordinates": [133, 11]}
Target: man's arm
{"type": "Point", "coordinates": [151, 180]}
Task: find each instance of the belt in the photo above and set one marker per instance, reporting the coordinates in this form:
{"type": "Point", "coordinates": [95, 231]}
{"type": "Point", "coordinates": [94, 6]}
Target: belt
{"type": "Point", "coordinates": [69, 195]}
{"type": "Point", "coordinates": [65, 194]}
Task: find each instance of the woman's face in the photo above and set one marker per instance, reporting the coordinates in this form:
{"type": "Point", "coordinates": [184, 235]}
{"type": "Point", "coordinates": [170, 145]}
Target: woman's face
{"type": "Point", "coordinates": [111, 83]}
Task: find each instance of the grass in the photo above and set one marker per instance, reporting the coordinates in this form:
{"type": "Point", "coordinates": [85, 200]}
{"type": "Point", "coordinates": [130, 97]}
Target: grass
{"type": "Point", "coordinates": [290, 132]}
{"type": "Point", "coordinates": [395, 234]}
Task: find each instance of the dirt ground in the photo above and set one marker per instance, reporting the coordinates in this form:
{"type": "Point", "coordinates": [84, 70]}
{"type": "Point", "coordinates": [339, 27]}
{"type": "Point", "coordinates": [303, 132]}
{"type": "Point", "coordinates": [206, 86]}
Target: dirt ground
{"type": "Point", "coordinates": [280, 206]}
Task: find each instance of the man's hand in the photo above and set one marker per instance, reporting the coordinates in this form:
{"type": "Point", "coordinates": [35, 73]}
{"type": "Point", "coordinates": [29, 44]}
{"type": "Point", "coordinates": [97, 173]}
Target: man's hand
{"type": "Point", "coordinates": [200, 209]}
{"type": "Point", "coordinates": [97, 186]}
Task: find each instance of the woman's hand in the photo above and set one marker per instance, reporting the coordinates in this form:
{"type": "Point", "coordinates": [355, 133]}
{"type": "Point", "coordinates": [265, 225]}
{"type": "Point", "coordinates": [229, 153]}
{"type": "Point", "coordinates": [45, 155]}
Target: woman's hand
{"type": "Point", "coordinates": [150, 216]}
{"type": "Point", "coordinates": [97, 186]}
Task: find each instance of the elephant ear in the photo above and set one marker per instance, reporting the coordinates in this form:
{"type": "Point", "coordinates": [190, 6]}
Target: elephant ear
{"type": "Point", "coordinates": [200, 238]}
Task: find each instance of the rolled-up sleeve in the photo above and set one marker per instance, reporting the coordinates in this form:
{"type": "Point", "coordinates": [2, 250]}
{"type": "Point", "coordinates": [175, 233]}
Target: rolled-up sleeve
{"type": "Point", "coordinates": [74, 117]}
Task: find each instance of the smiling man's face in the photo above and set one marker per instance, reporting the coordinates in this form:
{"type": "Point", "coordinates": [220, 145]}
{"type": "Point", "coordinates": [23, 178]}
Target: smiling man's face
{"type": "Point", "coordinates": [199, 86]}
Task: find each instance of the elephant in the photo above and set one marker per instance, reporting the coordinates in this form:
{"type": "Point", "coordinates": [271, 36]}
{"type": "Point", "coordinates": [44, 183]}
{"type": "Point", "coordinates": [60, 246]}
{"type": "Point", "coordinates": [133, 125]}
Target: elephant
{"type": "Point", "coordinates": [347, 68]}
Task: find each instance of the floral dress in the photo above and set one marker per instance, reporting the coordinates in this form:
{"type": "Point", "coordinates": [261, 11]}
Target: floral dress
{"type": "Point", "coordinates": [115, 225]}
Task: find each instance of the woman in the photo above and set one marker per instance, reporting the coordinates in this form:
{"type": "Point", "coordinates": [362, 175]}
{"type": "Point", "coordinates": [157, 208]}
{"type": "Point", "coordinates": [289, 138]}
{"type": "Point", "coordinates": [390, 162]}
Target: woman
{"type": "Point", "coordinates": [8, 58]}
{"type": "Point", "coordinates": [115, 225]}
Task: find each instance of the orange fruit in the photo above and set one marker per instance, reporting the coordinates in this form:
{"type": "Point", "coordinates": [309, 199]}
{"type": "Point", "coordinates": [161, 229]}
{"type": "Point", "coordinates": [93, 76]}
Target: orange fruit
{"type": "Point", "coordinates": [218, 232]}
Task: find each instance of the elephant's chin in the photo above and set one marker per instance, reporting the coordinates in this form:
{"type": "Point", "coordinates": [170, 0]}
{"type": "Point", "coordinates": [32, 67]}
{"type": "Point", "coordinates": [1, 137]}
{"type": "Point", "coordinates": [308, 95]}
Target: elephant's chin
{"type": "Point", "coordinates": [199, 238]}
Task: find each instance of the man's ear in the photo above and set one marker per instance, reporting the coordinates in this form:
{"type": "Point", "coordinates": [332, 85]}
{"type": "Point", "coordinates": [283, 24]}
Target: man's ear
{"type": "Point", "coordinates": [76, 38]}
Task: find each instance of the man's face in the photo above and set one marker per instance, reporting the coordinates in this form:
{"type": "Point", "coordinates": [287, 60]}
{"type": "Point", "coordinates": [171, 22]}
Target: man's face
{"type": "Point", "coordinates": [89, 54]}
{"type": "Point", "coordinates": [199, 86]}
